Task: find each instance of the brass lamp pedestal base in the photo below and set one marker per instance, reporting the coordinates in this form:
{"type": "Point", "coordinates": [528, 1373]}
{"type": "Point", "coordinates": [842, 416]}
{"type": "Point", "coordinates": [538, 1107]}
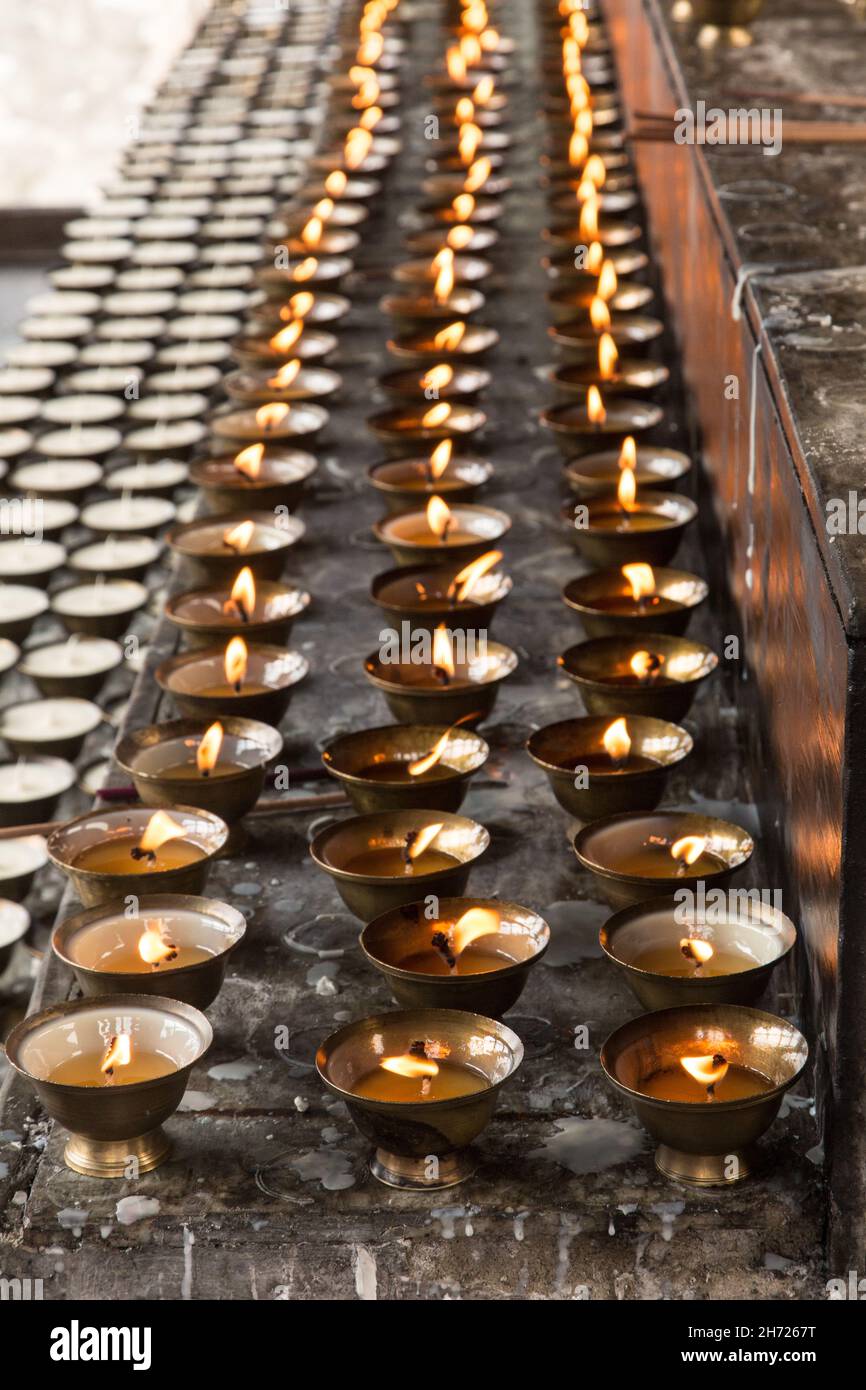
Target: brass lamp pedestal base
{"type": "Point", "coordinates": [422, 1174]}
{"type": "Point", "coordinates": [707, 1170]}
{"type": "Point", "coordinates": [117, 1158]}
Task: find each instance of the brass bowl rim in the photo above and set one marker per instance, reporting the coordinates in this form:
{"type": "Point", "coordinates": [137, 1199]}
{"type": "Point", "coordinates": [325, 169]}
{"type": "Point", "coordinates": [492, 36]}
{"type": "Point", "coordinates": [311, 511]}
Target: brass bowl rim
{"type": "Point", "coordinates": [552, 418]}
{"type": "Point", "coordinates": [642, 880]}
{"type": "Point", "coordinates": [158, 1003]}
{"type": "Point", "coordinates": [443, 483]}
{"type": "Point", "coordinates": [198, 475]}
{"type": "Point", "coordinates": [400, 344]}
{"type": "Point", "coordinates": [658, 639]}
{"type": "Point", "coordinates": [319, 418]}
{"type": "Point", "coordinates": [292, 532]}
{"type": "Point", "coordinates": [702, 590]}
{"type": "Point", "coordinates": [684, 747]}
{"type": "Point", "coordinates": [653, 500]}
{"type": "Point", "coordinates": [441, 1018]}
{"type": "Point", "coordinates": [189, 902]}
{"type": "Point", "coordinates": [685, 1106]}
{"type": "Point", "coordinates": [372, 666]}
{"type": "Point", "coordinates": [421, 977]}
{"type": "Point", "coordinates": [627, 916]}
{"type": "Point", "coordinates": [472, 417]}
{"type": "Point", "coordinates": [572, 467]}
{"type": "Point", "coordinates": [378, 582]}
{"type": "Point", "coordinates": [268, 739]}
{"type": "Point", "coordinates": [53, 845]}
{"type": "Point", "coordinates": [435, 731]}
{"type": "Point", "coordinates": [476, 508]}
{"type": "Point", "coordinates": [166, 668]}
{"type": "Point", "coordinates": [190, 624]}
{"type": "Point", "coordinates": [319, 842]}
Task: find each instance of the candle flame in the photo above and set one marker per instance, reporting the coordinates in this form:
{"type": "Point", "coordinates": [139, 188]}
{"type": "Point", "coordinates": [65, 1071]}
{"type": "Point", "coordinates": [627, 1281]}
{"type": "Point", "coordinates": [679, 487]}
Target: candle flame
{"type": "Point", "coordinates": [709, 1071]}
{"type": "Point", "coordinates": [483, 90]}
{"type": "Point", "coordinates": [436, 415]}
{"type": "Point", "coordinates": [117, 1054]}
{"type": "Point", "coordinates": [577, 149]}
{"type": "Point", "coordinates": [477, 174]}
{"type": "Point", "coordinates": [421, 765]}
{"type": "Point", "coordinates": [455, 64]}
{"type": "Point", "coordinates": [153, 947]}
{"type": "Point", "coordinates": [645, 664]}
{"type": "Point", "coordinates": [435, 378]}
{"type": "Point", "coordinates": [599, 314]}
{"type": "Point", "coordinates": [462, 584]}
{"type": "Point", "coordinates": [410, 1066]}
{"type": "Point", "coordinates": [608, 357]}
{"type": "Point", "coordinates": [356, 147]}
{"type": "Point", "coordinates": [571, 56]}
{"type": "Point", "coordinates": [243, 594]}
{"type": "Point", "coordinates": [626, 490]}
{"type": "Point", "coordinates": [443, 650]}
{"type": "Point", "coordinates": [450, 337]}
{"type": "Point", "coordinates": [239, 537]}
{"type": "Point", "coordinates": [324, 209]}
{"type": "Point", "coordinates": [440, 458]}
{"type": "Point", "coordinates": [422, 840]}
{"type": "Point", "coordinates": [438, 517]}
{"type": "Point", "coordinates": [595, 406]}
{"type": "Point", "coordinates": [208, 751]}
{"type": "Point", "coordinates": [607, 282]}
{"type": "Point", "coordinates": [475, 923]}
{"type": "Point", "coordinates": [443, 265]}
{"type": "Point", "coordinates": [249, 460]}
{"type": "Point", "coordinates": [305, 269]}
{"type": "Point", "coordinates": [370, 49]}
{"type": "Point", "coordinates": [689, 848]}
{"type": "Point", "coordinates": [459, 237]}
{"type": "Point", "coordinates": [468, 140]}
{"type": "Point", "coordinates": [470, 48]}
{"type": "Point", "coordinates": [285, 340]}
{"type": "Point", "coordinates": [595, 258]}
{"type": "Point", "coordinates": [595, 169]}
{"type": "Point", "coordinates": [463, 206]}
{"type": "Point", "coordinates": [474, 16]}
{"type": "Point", "coordinates": [641, 579]}
{"type": "Point", "coordinates": [158, 831]}
{"type": "Point", "coordinates": [696, 950]}
{"type": "Point", "coordinates": [235, 661]}
{"type": "Point", "coordinates": [616, 740]}
{"type": "Point", "coordinates": [583, 123]}
{"type": "Point", "coordinates": [464, 111]}
{"type": "Point", "coordinates": [370, 118]}
{"type": "Point", "coordinates": [286, 374]}
{"type": "Point", "coordinates": [335, 183]}
{"type": "Point", "coordinates": [311, 232]}
{"type": "Point", "coordinates": [588, 227]}
{"type": "Point", "coordinates": [628, 453]}
{"type": "Point", "coordinates": [271, 415]}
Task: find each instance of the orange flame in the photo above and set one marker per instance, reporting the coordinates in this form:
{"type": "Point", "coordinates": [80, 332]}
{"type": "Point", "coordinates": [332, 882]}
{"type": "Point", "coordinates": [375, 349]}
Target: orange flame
{"type": "Point", "coordinates": [235, 662]}
{"type": "Point", "coordinates": [476, 922]}
{"type": "Point", "coordinates": [456, 65]}
{"type": "Point", "coordinates": [268, 417]}
{"type": "Point", "coordinates": [208, 751]}
{"type": "Point", "coordinates": [305, 269]}
{"type": "Point", "coordinates": [443, 650]}
{"type": "Point", "coordinates": [286, 374]}
{"type": "Point", "coordinates": [599, 314]}
{"type": "Point", "coordinates": [243, 594]}
{"type": "Point", "coordinates": [356, 147]}
{"type": "Point", "coordinates": [628, 453]}
{"type": "Point", "coordinates": [477, 174]}
{"type": "Point", "coordinates": [285, 340]}
{"type": "Point", "coordinates": [483, 90]}
{"type": "Point", "coordinates": [608, 357]}
{"type": "Point", "coordinates": [595, 169]}
{"type": "Point", "coordinates": [464, 111]}
{"type": "Point", "coordinates": [158, 831]}
{"type": "Point", "coordinates": [411, 1066]}
{"type": "Point", "coordinates": [462, 584]}
{"type": "Point", "coordinates": [616, 740]}
{"type": "Point", "coordinates": [311, 233]}
{"type": "Point", "coordinates": [443, 264]}
{"type": "Point", "coordinates": [463, 206]}
{"type": "Point", "coordinates": [300, 304]}
{"type": "Point", "coordinates": [689, 848]}
{"type": "Point", "coordinates": [709, 1071]}
{"type": "Point", "coordinates": [435, 378]}
{"type": "Point", "coordinates": [423, 840]}
{"type": "Point", "coordinates": [460, 237]}
{"type": "Point", "coordinates": [438, 517]}
{"type": "Point", "coordinates": [450, 337]}
{"type": "Point", "coordinates": [577, 149]}
{"type": "Point", "coordinates": [470, 48]}
{"type": "Point", "coordinates": [239, 537]}
{"type": "Point", "coordinates": [595, 406]}
{"type": "Point", "coordinates": [607, 281]}
{"type": "Point", "coordinates": [371, 117]}
{"type": "Point", "coordinates": [249, 460]}
{"type": "Point", "coordinates": [594, 258]}
{"type": "Point", "coordinates": [440, 458]}
{"type": "Point", "coordinates": [641, 579]}
{"type": "Point", "coordinates": [324, 209]}
{"type": "Point", "coordinates": [468, 140]}
{"type": "Point", "coordinates": [421, 765]}
{"type": "Point", "coordinates": [117, 1054]}
{"type": "Point", "coordinates": [645, 664]}
{"type": "Point", "coordinates": [696, 950]}
{"type": "Point", "coordinates": [589, 219]}
{"type": "Point", "coordinates": [626, 490]}
{"type": "Point", "coordinates": [335, 183]}
{"type": "Point", "coordinates": [436, 415]}
{"type": "Point", "coordinates": [153, 947]}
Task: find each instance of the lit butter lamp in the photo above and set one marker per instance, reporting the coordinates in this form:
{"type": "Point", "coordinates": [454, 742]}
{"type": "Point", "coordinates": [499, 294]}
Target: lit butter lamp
{"type": "Point", "coordinates": [454, 342]}
{"type": "Point", "coordinates": [295, 341]}
{"type": "Point", "coordinates": [441, 381]}
{"type": "Point", "coordinates": [579, 425]}
{"type": "Point", "coordinates": [286, 384]}
{"type": "Point", "coordinates": [634, 856]}
{"type": "Point", "coordinates": [429, 596]}
{"type": "Point", "coordinates": [310, 272]}
{"type": "Point", "coordinates": [212, 549]}
{"type": "Point", "coordinates": [404, 482]}
{"type": "Point", "coordinates": [467, 269]}
{"type": "Point", "coordinates": [249, 680]}
{"type": "Point", "coordinates": [617, 674]}
{"type": "Point", "coordinates": [420, 1085]}
{"type": "Point", "coordinates": [462, 236]}
{"type": "Point", "coordinates": [563, 269]}
{"type": "Point", "coordinates": [260, 476]}
{"type": "Point", "coordinates": [482, 177]}
{"type": "Point", "coordinates": [217, 767]}
{"type": "Point", "coordinates": [340, 185]}
{"type": "Point", "coordinates": [108, 854]}
{"type": "Point", "coordinates": [609, 370]}
{"type": "Point", "coordinates": [472, 953]}
{"type": "Point", "coordinates": [276, 421]}
{"type": "Point", "coordinates": [112, 1073]}
{"type": "Point", "coordinates": [439, 303]}
{"type": "Point", "coordinates": [593, 224]}
{"type": "Point", "coordinates": [671, 952]}
{"type": "Point", "coordinates": [440, 533]}
{"type": "Point", "coordinates": [706, 1081]}
{"type": "Point", "coordinates": [620, 296]}
{"type": "Point", "coordinates": [625, 527]}
{"type": "Point", "coordinates": [635, 599]}
{"type": "Point", "coordinates": [385, 859]}
{"type": "Point", "coordinates": [446, 678]}
{"type": "Point", "coordinates": [314, 309]}
{"type": "Point", "coordinates": [405, 766]}
{"type": "Point", "coordinates": [653, 465]}
{"type": "Point", "coordinates": [319, 235]}
{"type": "Point", "coordinates": [261, 612]}
{"type": "Point", "coordinates": [473, 209]}
{"type": "Point", "coordinates": [598, 767]}
{"type": "Point", "coordinates": [173, 944]}
{"type": "Point", "coordinates": [420, 423]}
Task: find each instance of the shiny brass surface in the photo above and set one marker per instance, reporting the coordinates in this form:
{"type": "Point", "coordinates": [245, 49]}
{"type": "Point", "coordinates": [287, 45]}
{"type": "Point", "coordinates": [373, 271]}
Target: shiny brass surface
{"type": "Point", "coordinates": [420, 1145]}
{"type": "Point", "coordinates": [705, 1144]}
{"type": "Point", "coordinates": [587, 664]}
{"type": "Point", "coordinates": [264, 494]}
{"type": "Point", "coordinates": [427, 614]}
{"type": "Point", "coordinates": [230, 796]}
{"type": "Point", "coordinates": [111, 1125]}
{"type": "Point", "coordinates": [198, 634]}
{"type": "Point", "coordinates": [592, 475]}
{"type": "Point", "coordinates": [764, 929]}
{"type": "Point", "coordinates": [556, 749]}
{"type": "Point", "coordinates": [367, 895]}
{"type": "Point", "coordinates": [95, 887]}
{"type": "Point", "coordinates": [348, 756]}
{"type": "Point", "coordinates": [586, 596]}
{"type": "Point", "coordinates": [464, 478]}
{"type": "Point", "coordinates": [655, 546]}
{"type": "Point", "coordinates": [469, 702]}
{"type": "Point", "coordinates": [597, 851]}
{"type": "Point", "coordinates": [404, 930]}
{"type": "Point", "coordinates": [197, 984]}
{"type": "Point", "coordinates": [286, 669]}
{"type": "Point", "coordinates": [488, 525]}
{"type": "Point", "coordinates": [222, 567]}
